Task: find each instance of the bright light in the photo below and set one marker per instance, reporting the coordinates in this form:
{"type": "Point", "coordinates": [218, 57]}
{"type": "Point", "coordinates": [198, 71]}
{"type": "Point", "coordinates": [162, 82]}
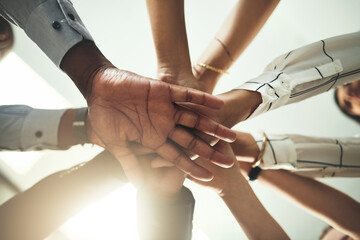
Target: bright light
{"type": "Point", "coordinates": [113, 217]}
{"type": "Point", "coordinates": [22, 85]}
{"type": "Point", "coordinates": [21, 162]}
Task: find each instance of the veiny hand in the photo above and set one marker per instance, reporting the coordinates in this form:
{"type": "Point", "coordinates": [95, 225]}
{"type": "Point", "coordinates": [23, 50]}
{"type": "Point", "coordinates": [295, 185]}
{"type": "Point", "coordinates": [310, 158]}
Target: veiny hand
{"type": "Point", "coordinates": [125, 107]}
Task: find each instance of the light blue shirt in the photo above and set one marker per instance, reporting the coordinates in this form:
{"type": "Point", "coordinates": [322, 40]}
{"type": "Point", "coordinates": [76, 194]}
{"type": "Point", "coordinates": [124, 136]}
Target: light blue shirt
{"type": "Point", "coordinates": [24, 128]}
{"type": "Point", "coordinates": [53, 25]}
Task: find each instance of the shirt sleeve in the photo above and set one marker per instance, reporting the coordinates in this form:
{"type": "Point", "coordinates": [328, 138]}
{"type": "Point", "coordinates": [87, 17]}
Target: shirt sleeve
{"type": "Point", "coordinates": [312, 156]}
{"type": "Point", "coordinates": [307, 71]}
{"type": "Point", "coordinates": [53, 25]}
{"type": "Point", "coordinates": [161, 219]}
{"type": "Point", "coordinates": [24, 128]}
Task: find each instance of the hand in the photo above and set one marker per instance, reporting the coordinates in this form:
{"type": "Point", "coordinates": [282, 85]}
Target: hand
{"type": "Point", "coordinates": [223, 179]}
{"type": "Point", "coordinates": [127, 107]}
{"type": "Point", "coordinates": [165, 182]}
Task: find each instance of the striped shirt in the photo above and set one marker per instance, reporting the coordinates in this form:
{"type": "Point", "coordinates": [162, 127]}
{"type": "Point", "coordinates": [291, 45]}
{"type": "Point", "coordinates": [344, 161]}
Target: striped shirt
{"type": "Point", "coordinates": [307, 71]}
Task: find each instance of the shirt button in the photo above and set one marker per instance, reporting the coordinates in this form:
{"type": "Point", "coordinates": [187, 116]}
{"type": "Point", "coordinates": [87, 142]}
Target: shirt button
{"type": "Point", "coordinates": [56, 25]}
{"type": "Point", "coordinates": [38, 134]}
{"type": "Point", "coordinates": [71, 16]}
{"type": "Point", "coordinates": [270, 91]}
{"type": "Point", "coordinates": [285, 85]}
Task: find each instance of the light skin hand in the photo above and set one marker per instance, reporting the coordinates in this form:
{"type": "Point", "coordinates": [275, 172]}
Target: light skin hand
{"type": "Point", "coordinates": [222, 177]}
{"type": "Point", "coordinates": [165, 182]}
{"type": "Point", "coordinates": [232, 187]}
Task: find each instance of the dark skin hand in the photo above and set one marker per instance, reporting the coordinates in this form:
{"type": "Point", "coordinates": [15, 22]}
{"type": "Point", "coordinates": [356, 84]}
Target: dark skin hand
{"type": "Point", "coordinates": [125, 107]}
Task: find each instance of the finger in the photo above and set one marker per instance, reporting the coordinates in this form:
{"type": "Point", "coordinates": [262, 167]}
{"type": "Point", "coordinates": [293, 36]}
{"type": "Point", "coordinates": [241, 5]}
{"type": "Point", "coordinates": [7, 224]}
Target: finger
{"type": "Point", "coordinates": [180, 160]}
{"type": "Point", "coordinates": [129, 163]}
{"type": "Point", "coordinates": [182, 94]}
{"type": "Point", "coordinates": [198, 146]}
{"type": "Point", "coordinates": [159, 162]}
{"type": "Point", "coordinates": [204, 124]}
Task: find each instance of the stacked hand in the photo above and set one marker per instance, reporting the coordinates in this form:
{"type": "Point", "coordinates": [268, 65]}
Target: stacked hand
{"type": "Point", "coordinates": [125, 107]}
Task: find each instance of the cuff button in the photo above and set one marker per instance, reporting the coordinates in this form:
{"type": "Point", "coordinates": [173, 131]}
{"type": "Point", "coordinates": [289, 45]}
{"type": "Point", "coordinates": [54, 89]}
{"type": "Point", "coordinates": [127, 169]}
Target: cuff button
{"type": "Point", "coordinates": [270, 91]}
{"type": "Point", "coordinates": [71, 16]}
{"type": "Point", "coordinates": [56, 25]}
{"type": "Point", "coordinates": [38, 134]}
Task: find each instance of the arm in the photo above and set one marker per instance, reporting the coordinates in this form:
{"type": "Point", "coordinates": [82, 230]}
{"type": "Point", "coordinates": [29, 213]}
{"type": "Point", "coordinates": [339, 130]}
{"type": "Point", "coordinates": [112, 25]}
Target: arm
{"type": "Point", "coordinates": [309, 156]}
{"type": "Point", "coordinates": [123, 106]}
{"type": "Point", "coordinates": [24, 128]}
{"type": "Point", "coordinates": [164, 207]}
{"type": "Point", "coordinates": [235, 191]}
{"type": "Point", "coordinates": [169, 34]}
{"type": "Point", "coordinates": [329, 204]}
{"type": "Point", "coordinates": [307, 71]}
{"type": "Point", "coordinates": [48, 204]}
{"type": "Point", "coordinates": [238, 30]}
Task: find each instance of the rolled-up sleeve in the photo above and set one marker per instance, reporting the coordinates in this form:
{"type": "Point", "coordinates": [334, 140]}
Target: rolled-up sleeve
{"type": "Point", "coordinates": [312, 156]}
{"type": "Point", "coordinates": [53, 25]}
{"type": "Point", "coordinates": [24, 128]}
{"type": "Point", "coordinates": [307, 71]}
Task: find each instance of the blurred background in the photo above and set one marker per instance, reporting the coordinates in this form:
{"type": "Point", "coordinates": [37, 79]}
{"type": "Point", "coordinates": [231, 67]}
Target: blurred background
{"type": "Point", "coordinates": [122, 31]}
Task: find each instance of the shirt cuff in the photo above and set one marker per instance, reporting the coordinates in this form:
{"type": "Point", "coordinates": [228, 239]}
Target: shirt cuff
{"type": "Point", "coordinates": [274, 87]}
{"type": "Point", "coordinates": [40, 129]}
{"type": "Point", "coordinates": [280, 152]}
{"type": "Point", "coordinates": [56, 27]}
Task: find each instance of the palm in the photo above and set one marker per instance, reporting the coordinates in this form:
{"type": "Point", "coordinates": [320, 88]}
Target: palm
{"type": "Point", "coordinates": [125, 107]}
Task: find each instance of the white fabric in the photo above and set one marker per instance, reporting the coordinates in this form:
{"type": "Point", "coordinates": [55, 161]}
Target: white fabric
{"type": "Point", "coordinates": [307, 71]}
{"type": "Point", "coordinates": [312, 156]}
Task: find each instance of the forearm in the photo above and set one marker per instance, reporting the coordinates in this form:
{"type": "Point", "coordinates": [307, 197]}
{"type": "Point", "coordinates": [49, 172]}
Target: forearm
{"type": "Point", "coordinates": [81, 63]}
{"type": "Point", "coordinates": [24, 128]}
{"type": "Point", "coordinates": [238, 30]}
{"type": "Point", "coordinates": [331, 205]}
{"type": "Point", "coordinates": [307, 71]}
{"type": "Point", "coordinates": [48, 204]}
{"type": "Point", "coordinates": [169, 33]}
{"type": "Point", "coordinates": [250, 213]}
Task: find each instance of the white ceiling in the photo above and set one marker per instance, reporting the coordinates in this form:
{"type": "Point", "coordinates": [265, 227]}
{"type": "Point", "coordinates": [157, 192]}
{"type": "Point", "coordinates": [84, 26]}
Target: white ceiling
{"type": "Point", "coordinates": [122, 32]}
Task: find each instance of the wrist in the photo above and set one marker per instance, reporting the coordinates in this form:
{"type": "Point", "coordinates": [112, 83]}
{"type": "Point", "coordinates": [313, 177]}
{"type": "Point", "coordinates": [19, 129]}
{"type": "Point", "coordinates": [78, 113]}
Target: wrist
{"type": "Point", "coordinates": [239, 105]}
{"type": "Point", "coordinates": [81, 63]}
{"type": "Point", "coordinates": [233, 188]}
{"type": "Point", "coordinates": [67, 132]}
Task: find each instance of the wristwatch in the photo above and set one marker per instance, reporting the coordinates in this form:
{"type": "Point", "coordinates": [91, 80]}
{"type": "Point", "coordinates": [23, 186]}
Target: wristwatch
{"type": "Point", "coordinates": [79, 126]}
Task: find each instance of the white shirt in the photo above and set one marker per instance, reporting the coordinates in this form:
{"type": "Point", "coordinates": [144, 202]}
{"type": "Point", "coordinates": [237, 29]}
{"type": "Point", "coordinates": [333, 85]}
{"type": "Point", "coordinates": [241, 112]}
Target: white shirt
{"type": "Point", "coordinates": [307, 71]}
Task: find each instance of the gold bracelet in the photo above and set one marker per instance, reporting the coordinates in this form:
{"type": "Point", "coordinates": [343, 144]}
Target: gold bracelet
{"type": "Point", "coordinates": [218, 70]}
{"type": "Point", "coordinates": [262, 151]}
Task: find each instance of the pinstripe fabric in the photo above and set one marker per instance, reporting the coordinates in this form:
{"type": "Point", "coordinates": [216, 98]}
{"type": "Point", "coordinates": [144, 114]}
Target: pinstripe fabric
{"type": "Point", "coordinates": [312, 156]}
{"type": "Point", "coordinates": [307, 71]}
